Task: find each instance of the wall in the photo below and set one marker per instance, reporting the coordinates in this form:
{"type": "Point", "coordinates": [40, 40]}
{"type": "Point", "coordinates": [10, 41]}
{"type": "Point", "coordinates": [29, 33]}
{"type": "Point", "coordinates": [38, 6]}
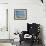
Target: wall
{"type": "Point", "coordinates": [3, 1]}
{"type": "Point", "coordinates": [35, 13]}
{"type": "Point", "coordinates": [44, 22]}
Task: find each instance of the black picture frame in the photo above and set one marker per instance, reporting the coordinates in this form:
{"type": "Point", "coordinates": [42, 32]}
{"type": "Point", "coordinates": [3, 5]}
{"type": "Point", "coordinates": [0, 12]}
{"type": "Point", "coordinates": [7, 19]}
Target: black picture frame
{"type": "Point", "coordinates": [20, 14]}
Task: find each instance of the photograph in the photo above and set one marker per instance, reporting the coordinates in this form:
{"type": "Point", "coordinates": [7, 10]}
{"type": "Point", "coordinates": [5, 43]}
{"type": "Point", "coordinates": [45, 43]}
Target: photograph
{"type": "Point", "coordinates": [20, 14]}
{"type": "Point", "coordinates": [22, 22]}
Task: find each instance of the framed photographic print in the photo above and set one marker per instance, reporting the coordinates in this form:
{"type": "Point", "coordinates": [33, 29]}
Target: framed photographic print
{"type": "Point", "coordinates": [20, 14]}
